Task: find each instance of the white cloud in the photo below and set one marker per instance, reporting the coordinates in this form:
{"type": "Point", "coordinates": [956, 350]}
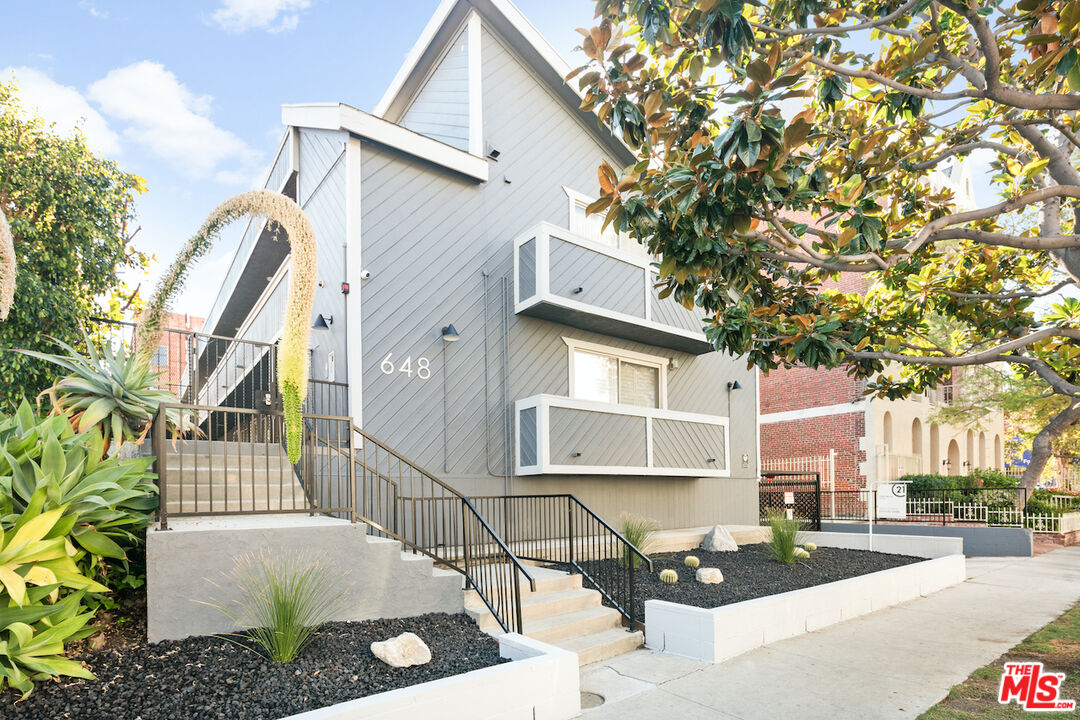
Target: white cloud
{"type": "Point", "coordinates": [93, 10]}
{"type": "Point", "coordinates": [271, 15]}
{"type": "Point", "coordinates": [168, 120]}
{"type": "Point", "coordinates": [63, 106]}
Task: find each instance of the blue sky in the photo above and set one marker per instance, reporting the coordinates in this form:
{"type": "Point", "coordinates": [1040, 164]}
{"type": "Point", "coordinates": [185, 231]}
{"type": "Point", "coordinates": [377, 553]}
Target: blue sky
{"type": "Point", "coordinates": [188, 94]}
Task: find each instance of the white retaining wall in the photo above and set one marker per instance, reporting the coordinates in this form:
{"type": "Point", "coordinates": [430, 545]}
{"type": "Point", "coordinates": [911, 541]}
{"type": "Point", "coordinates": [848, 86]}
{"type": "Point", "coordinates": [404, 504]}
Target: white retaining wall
{"type": "Point", "coordinates": [541, 684]}
{"type": "Point", "coordinates": [718, 634]}
{"type": "Point", "coordinates": [917, 545]}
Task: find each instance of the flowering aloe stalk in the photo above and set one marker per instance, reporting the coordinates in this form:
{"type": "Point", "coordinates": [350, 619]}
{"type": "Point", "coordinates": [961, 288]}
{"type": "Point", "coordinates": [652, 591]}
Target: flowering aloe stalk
{"type": "Point", "coordinates": [7, 268]}
{"type": "Point", "coordinates": [292, 354]}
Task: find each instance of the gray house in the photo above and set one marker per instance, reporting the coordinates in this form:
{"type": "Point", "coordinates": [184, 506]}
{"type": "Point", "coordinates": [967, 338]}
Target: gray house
{"type": "Point", "coordinates": [470, 316]}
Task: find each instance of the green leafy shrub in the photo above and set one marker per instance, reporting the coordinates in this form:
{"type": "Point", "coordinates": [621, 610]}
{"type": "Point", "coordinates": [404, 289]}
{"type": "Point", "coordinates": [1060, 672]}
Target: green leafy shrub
{"type": "Point", "coordinates": [109, 389]}
{"type": "Point", "coordinates": [669, 576]}
{"type": "Point", "coordinates": [638, 531]}
{"type": "Point", "coordinates": [980, 478]}
{"type": "Point", "coordinates": [785, 537]}
{"type": "Point", "coordinates": [107, 502]}
{"type": "Point", "coordinates": [284, 599]}
{"type": "Point", "coordinates": [36, 567]}
{"type": "Point", "coordinates": [691, 561]}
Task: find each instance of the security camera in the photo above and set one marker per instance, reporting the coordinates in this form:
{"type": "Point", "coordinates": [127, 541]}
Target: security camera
{"type": "Point", "coordinates": [365, 274]}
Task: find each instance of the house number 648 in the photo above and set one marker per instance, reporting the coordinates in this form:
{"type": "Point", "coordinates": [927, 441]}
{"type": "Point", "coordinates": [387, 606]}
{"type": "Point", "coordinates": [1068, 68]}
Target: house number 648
{"type": "Point", "coordinates": [423, 367]}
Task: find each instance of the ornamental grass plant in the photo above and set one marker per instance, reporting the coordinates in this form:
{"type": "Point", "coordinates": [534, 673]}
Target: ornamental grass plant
{"type": "Point", "coordinates": [283, 600]}
{"type": "Point", "coordinates": [783, 545]}
{"type": "Point", "coordinates": [638, 531]}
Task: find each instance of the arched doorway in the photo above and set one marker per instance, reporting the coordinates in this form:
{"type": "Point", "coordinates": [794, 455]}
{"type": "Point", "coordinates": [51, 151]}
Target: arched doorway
{"type": "Point", "coordinates": [954, 467]}
{"type": "Point", "coordinates": [969, 452]}
{"type": "Point", "coordinates": [886, 431]}
{"type": "Point", "coordinates": [999, 462]}
{"type": "Point", "coordinates": [982, 449]}
{"type": "Point", "coordinates": [935, 450]}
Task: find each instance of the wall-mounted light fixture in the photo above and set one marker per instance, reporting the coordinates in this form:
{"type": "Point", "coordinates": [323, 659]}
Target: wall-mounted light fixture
{"type": "Point", "coordinates": [450, 333]}
{"type": "Point", "coordinates": [322, 321]}
{"type": "Point", "coordinates": [733, 385]}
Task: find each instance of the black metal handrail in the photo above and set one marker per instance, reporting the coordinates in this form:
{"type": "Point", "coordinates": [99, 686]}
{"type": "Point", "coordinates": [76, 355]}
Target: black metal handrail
{"type": "Point", "coordinates": [234, 464]}
{"type": "Point", "coordinates": [561, 530]}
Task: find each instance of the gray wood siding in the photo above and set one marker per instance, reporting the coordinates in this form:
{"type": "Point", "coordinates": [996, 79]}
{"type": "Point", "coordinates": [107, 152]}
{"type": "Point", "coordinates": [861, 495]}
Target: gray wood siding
{"type": "Point", "coordinates": [527, 436]}
{"type": "Point", "coordinates": [319, 150]}
{"type": "Point", "coordinates": [600, 438]}
{"type": "Point", "coordinates": [527, 270]}
{"type": "Point", "coordinates": [604, 281]}
{"type": "Point", "coordinates": [434, 240]}
{"type": "Point", "coordinates": [669, 312]}
{"type": "Point", "coordinates": [441, 108]}
{"type": "Point", "coordinates": [679, 444]}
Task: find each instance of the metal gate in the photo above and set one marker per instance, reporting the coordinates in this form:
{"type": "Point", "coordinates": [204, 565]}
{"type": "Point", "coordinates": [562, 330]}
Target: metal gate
{"type": "Point", "coordinates": [794, 493]}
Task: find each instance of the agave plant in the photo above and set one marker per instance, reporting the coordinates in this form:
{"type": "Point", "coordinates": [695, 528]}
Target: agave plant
{"type": "Point", "coordinates": [111, 389]}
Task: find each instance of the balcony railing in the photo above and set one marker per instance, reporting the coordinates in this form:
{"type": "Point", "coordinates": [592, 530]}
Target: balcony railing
{"type": "Point", "coordinates": [570, 280]}
{"type": "Point", "coordinates": [561, 435]}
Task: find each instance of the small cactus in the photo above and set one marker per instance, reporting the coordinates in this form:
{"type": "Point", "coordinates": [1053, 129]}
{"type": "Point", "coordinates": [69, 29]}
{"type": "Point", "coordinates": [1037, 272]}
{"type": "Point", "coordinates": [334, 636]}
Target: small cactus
{"type": "Point", "coordinates": [669, 576]}
{"type": "Point", "coordinates": [691, 561]}
{"type": "Point", "coordinates": [801, 553]}
{"type": "Point", "coordinates": [810, 547]}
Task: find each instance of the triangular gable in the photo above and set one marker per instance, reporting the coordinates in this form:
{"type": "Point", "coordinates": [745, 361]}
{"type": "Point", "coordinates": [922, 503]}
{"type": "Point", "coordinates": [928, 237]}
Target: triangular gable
{"type": "Point", "coordinates": [445, 30]}
{"type": "Point", "coordinates": [440, 109]}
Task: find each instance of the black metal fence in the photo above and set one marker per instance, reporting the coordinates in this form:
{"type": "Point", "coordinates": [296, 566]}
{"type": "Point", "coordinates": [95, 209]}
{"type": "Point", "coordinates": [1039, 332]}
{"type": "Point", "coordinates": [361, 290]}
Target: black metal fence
{"type": "Point", "coordinates": [794, 493]}
{"type": "Point", "coordinates": [561, 530]}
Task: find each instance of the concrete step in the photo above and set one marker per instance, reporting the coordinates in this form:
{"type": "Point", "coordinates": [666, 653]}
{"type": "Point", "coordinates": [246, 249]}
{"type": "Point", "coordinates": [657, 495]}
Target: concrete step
{"type": "Point", "coordinates": [231, 463]}
{"type": "Point", "coordinates": [235, 491]}
{"type": "Point", "coordinates": [222, 447]}
{"type": "Point", "coordinates": [602, 645]}
{"type": "Point", "coordinates": [574, 624]}
{"type": "Point", "coordinates": [208, 507]}
{"type": "Point", "coordinates": [547, 580]}
{"type": "Point", "coordinates": [538, 606]}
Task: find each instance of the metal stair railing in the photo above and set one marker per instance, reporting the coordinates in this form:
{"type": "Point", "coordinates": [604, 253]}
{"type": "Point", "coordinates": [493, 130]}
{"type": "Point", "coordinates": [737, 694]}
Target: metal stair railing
{"type": "Point", "coordinates": [561, 530]}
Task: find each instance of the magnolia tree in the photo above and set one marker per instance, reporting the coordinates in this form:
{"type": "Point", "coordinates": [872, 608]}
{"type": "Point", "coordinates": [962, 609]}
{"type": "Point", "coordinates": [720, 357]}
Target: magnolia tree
{"type": "Point", "coordinates": [781, 144]}
{"type": "Point", "coordinates": [293, 359]}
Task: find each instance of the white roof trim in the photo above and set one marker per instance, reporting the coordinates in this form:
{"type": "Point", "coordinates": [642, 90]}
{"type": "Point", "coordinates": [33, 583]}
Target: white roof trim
{"type": "Point", "coordinates": [339, 116]}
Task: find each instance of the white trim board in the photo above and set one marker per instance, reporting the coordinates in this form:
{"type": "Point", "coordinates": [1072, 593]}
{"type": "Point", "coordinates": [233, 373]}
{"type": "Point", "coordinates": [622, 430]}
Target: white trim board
{"type": "Point", "coordinates": [804, 413]}
{"type": "Point", "coordinates": [339, 116]}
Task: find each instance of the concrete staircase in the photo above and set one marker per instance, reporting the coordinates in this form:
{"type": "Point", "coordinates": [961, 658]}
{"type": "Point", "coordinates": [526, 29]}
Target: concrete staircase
{"type": "Point", "coordinates": [228, 477]}
{"type": "Point", "coordinates": [561, 612]}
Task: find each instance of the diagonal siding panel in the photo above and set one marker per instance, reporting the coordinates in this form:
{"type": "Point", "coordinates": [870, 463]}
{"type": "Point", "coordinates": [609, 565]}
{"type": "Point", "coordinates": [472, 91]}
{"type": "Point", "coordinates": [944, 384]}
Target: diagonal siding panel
{"type": "Point", "coordinates": [604, 281]}
{"type": "Point", "coordinates": [601, 438]}
{"type": "Point", "coordinates": [680, 444]}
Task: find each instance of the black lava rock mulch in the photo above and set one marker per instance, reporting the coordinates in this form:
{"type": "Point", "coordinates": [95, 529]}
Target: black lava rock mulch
{"type": "Point", "coordinates": [750, 573]}
{"type": "Point", "coordinates": [209, 678]}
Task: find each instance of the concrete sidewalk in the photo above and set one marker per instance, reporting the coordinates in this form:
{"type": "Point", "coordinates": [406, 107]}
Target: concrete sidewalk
{"type": "Point", "coordinates": [894, 663]}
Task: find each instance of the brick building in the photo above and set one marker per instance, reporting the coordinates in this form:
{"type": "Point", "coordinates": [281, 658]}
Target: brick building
{"type": "Point", "coordinates": [813, 414]}
{"type": "Point", "coordinates": [170, 358]}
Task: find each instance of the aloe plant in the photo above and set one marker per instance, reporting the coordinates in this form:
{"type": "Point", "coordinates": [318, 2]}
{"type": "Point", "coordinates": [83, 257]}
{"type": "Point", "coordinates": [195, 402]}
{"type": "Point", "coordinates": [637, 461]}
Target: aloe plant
{"type": "Point", "coordinates": [110, 389]}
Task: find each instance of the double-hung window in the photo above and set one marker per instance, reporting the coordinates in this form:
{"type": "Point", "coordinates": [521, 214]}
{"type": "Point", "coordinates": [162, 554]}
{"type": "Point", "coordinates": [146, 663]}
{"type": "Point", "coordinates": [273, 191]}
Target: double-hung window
{"type": "Point", "coordinates": [616, 378]}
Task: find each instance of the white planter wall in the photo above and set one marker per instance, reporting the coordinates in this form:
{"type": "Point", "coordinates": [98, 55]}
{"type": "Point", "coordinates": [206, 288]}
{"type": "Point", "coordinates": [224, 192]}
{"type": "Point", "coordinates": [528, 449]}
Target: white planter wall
{"type": "Point", "coordinates": [541, 684]}
{"type": "Point", "coordinates": [718, 634]}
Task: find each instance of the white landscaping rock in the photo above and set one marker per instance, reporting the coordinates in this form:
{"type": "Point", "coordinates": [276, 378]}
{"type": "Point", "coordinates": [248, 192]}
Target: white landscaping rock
{"type": "Point", "coordinates": [710, 576]}
{"type": "Point", "coordinates": [405, 650]}
{"type": "Point", "coordinates": [719, 540]}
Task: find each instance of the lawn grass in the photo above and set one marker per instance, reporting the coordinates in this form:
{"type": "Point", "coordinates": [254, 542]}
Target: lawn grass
{"type": "Point", "coordinates": [1057, 646]}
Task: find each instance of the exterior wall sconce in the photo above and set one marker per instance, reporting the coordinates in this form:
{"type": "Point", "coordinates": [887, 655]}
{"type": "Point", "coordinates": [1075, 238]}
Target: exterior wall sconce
{"type": "Point", "coordinates": [322, 322]}
{"type": "Point", "coordinates": [734, 385]}
{"type": "Point", "coordinates": [450, 333]}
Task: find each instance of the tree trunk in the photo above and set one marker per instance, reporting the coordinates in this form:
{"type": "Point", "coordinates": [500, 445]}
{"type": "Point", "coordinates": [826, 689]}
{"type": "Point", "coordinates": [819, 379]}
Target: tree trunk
{"type": "Point", "coordinates": [1042, 447]}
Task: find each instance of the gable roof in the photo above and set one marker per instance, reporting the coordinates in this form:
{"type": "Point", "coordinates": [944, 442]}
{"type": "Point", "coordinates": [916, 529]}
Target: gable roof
{"type": "Point", "coordinates": [523, 37]}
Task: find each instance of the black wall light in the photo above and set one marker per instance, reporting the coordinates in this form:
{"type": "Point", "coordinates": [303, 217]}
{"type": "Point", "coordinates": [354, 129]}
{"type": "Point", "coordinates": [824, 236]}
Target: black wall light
{"type": "Point", "coordinates": [322, 321]}
{"type": "Point", "coordinates": [450, 333]}
{"type": "Point", "coordinates": [734, 385]}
